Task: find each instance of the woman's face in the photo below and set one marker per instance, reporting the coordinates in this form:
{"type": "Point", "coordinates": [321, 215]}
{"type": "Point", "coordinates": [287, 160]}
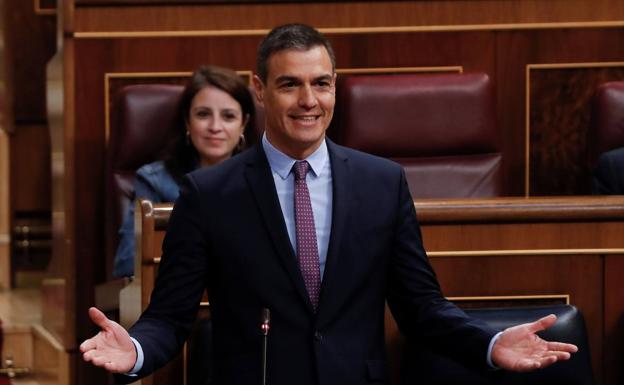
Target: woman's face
{"type": "Point", "coordinates": [215, 124]}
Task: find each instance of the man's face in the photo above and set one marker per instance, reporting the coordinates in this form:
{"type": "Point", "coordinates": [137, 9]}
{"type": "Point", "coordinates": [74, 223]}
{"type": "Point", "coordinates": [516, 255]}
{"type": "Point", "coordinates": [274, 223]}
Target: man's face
{"type": "Point", "coordinates": [298, 99]}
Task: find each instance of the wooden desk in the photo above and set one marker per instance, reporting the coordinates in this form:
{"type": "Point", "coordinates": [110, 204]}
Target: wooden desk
{"type": "Point", "coordinates": [491, 252]}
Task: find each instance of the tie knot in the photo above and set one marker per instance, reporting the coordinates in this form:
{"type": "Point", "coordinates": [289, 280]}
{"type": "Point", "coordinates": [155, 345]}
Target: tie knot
{"type": "Point", "coordinates": [301, 169]}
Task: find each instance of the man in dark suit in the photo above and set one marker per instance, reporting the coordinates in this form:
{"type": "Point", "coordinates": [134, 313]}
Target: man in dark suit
{"type": "Point", "coordinates": [608, 175]}
{"type": "Point", "coordinates": [320, 235]}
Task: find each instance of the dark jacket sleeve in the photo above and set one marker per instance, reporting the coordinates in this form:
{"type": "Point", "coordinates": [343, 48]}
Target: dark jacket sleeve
{"type": "Point", "coordinates": [416, 300]}
{"type": "Point", "coordinates": [164, 326]}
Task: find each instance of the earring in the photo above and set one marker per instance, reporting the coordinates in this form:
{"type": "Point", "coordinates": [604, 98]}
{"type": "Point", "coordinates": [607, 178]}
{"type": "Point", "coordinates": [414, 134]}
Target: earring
{"type": "Point", "coordinates": [242, 143]}
{"type": "Point", "coordinates": [188, 138]}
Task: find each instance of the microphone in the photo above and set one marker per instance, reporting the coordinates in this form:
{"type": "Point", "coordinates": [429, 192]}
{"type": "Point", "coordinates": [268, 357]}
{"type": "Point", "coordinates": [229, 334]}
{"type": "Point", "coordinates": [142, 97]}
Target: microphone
{"type": "Point", "coordinates": [266, 321]}
{"type": "Point", "coordinates": [265, 326]}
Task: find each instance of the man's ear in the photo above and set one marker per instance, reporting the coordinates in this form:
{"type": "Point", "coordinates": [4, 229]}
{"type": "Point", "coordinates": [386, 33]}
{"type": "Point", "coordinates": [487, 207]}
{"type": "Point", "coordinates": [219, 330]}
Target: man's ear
{"type": "Point", "coordinates": [258, 89]}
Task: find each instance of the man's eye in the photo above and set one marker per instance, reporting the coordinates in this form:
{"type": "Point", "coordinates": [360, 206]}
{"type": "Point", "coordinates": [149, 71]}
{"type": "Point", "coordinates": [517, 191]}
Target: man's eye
{"type": "Point", "coordinates": [288, 85]}
{"type": "Point", "coordinates": [323, 84]}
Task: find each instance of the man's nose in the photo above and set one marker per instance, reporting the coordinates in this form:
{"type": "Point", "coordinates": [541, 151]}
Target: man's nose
{"type": "Point", "coordinates": [307, 98]}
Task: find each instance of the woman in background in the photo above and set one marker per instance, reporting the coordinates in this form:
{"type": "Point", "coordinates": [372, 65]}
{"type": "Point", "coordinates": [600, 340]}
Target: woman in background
{"type": "Point", "coordinates": [216, 113]}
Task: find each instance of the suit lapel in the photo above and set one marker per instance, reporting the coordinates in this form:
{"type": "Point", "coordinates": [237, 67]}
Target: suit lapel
{"type": "Point", "coordinates": [260, 179]}
{"type": "Point", "coordinates": [342, 201]}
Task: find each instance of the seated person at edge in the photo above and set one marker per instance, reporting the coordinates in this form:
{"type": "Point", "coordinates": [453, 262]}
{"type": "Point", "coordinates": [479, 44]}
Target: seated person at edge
{"type": "Point", "coordinates": [608, 174]}
{"type": "Point", "coordinates": [320, 251]}
{"type": "Point", "coordinates": [216, 113]}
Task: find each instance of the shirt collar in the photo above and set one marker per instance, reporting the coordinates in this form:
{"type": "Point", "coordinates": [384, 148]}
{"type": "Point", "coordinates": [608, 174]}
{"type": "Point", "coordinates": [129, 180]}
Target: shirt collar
{"type": "Point", "coordinates": [282, 164]}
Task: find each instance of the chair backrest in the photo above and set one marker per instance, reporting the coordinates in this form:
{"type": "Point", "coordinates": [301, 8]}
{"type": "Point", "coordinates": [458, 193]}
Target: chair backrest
{"type": "Point", "coordinates": [142, 125]}
{"type": "Point", "coordinates": [607, 120]}
{"type": "Point", "coordinates": [426, 367]}
{"type": "Point", "coordinates": [441, 128]}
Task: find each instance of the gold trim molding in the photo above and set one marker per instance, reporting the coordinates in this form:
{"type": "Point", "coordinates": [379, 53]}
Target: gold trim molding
{"type": "Point", "coordinates": [507, 253]}
{"type": "Point", "coordinates": [383, 70]}
{"type": "Point", "coordinates": [565, 297]}
{"type": "Point", "coordinates": [528, 252]}
{"type": "Point", "coordinates": [527, 107]}
{"type": "Point", "coordinates": [352, 30]}
{"type": "Point", "coordinates": [39, 11]}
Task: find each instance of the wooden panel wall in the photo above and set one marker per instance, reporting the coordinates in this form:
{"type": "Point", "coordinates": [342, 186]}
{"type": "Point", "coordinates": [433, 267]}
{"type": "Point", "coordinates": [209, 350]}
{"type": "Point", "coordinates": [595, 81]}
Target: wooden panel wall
{"type": "Point", "coordinates": [131, 16]}
{"type": "Point", "coordinates": [29, 38]}
{"type": "Point", "coordinates": [503, 38]}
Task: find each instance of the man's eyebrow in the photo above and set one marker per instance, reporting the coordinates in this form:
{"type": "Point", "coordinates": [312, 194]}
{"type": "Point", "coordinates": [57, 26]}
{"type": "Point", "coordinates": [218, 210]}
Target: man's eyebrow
{"type": "Point", "coordinates": [323, 77]}
{"type": "Point", "coordinates": [286, 78]}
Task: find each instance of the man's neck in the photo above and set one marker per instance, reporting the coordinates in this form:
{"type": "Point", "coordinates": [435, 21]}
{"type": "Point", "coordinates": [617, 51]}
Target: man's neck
{"type": "Point", "coordinates": [294, 152]}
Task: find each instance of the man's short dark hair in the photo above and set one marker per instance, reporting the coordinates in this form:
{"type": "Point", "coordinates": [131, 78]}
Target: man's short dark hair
{"type": "Point", "coordinates": [298, 37]}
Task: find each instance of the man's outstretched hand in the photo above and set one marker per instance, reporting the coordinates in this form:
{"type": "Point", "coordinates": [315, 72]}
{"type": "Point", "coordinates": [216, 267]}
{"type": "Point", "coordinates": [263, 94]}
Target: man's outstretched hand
{"type": "Point", "coordinates": [519, 349]}
{"type": "Point", "coordinates": [112, 348]}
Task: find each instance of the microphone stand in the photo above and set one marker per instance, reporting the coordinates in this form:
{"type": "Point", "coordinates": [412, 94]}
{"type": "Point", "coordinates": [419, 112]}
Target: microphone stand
{"type": "Point", "coordinates": [266, 325]}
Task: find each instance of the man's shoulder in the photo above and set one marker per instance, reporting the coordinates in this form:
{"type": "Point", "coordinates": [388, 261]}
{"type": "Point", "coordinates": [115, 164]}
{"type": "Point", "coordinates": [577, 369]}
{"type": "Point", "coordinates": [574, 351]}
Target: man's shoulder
{"type": "Point", "coordinates": [364, 159]}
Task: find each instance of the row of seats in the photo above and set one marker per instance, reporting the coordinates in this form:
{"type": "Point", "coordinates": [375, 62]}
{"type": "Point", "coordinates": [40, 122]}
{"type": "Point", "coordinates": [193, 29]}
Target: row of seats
{"type": "Point", "coordinates": [441, 127]}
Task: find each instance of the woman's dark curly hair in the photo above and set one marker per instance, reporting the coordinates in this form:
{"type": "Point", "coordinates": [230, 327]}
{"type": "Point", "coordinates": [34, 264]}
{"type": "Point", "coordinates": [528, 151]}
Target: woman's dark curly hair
{"type": "Point", "coordinates": [183, 157]}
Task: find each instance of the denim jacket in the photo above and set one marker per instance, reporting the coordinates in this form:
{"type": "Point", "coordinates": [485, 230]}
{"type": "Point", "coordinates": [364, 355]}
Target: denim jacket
{"type": "Point", "coordinates": [153, 182]}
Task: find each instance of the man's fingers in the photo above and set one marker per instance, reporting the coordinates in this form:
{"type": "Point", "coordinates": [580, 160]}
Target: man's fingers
{"type": "Point", "coordinates": [88, 345]}
{"type": "Point", "coordinates": [542, 323]}
{"type": "Point", "coordinates": [99, 318]}
{"type": "Point", "coordinates": [91, 356]}
{"type": "Point", "coordinates": [547, 361]}
{"type": "Point", "coordinates": [562, 347]}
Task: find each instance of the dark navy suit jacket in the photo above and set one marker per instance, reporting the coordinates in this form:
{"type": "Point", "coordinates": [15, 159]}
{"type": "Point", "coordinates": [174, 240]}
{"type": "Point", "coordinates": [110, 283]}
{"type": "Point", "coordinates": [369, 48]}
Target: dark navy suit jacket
{"type": "Point", "coordinates": [227, 234]}
{"type": "Point", "coordinates": [608, 177]}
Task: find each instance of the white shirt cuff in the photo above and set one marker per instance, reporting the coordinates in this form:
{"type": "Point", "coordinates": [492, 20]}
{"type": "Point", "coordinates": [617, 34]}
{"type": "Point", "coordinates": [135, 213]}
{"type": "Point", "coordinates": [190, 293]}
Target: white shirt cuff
{"type": "Point", "coordinates": [489, 352]}
{"type": "Point", "coordinates": [139, 362]}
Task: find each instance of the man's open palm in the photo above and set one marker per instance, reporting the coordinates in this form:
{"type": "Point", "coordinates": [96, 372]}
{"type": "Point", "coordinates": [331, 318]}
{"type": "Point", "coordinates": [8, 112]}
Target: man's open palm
{"type": "Point", "coordinates": [519, 349]}
{"type": "Point", "coordinates": [112, 348]}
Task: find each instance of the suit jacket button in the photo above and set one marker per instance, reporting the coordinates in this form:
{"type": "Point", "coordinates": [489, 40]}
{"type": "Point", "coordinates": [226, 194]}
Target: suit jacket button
{"type": "Point", "coordinates": [318, 336]}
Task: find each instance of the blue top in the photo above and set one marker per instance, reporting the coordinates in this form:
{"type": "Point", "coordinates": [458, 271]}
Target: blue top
{"type": "Point", "coordinates": [153, 182]}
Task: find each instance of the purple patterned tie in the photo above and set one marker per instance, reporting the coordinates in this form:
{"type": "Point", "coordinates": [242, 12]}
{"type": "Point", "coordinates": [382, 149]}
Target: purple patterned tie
{"type": "Point", "coordinates": [307, 249]}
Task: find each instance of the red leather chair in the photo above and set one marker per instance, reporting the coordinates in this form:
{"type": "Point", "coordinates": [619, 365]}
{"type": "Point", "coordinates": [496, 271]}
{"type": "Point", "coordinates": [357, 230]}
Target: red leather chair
{"type": "Point", "coordinates": [142, 123]}
{"type": "Point", "coordinates": [441, 128]}
{"type": "Point", "coordinates": [607, 120]}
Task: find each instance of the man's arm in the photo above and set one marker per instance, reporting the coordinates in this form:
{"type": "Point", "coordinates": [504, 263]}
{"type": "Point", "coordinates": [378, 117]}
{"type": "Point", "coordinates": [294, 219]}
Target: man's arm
{"type": "Point", "coordinates": [421, 310]}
